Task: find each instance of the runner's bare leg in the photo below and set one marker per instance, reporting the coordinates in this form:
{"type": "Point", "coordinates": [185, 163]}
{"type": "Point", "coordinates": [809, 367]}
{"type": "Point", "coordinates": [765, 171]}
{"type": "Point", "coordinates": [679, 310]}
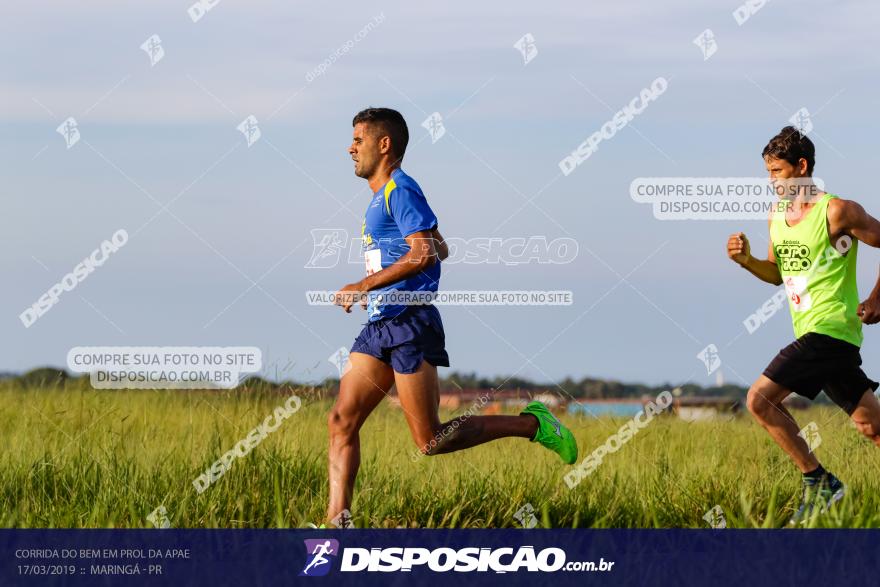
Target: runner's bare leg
{"type": "Point", "coordinates": [866, 416]}
{"type": "Point", "coordinates": [420, 399]}
{"type": "Point", "coordinates": [360, 391]}
{"type": "Point", "coordinates": [765, 403]}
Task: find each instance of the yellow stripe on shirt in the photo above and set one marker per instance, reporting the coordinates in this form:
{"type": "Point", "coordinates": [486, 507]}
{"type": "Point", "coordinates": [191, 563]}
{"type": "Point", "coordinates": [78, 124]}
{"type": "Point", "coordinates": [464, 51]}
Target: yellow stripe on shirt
{"type": "Point", "coordinates": [389, 187]}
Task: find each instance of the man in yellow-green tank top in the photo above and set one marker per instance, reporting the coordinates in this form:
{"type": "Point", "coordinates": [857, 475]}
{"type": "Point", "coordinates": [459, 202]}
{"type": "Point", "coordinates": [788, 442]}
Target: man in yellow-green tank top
{"type": "Point", "coordinates": [814, 238]}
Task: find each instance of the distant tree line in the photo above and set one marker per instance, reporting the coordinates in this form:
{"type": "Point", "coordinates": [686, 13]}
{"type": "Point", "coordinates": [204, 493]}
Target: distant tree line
{"type": "Point", "coordinates": [586, 388]}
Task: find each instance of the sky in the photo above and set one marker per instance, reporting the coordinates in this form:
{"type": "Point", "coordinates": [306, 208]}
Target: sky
{"type": "Point", "coordinates": [221, 231]}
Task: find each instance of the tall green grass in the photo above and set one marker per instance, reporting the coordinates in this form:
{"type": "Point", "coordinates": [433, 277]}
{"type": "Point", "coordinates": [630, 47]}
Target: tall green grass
{"type": "Point", "coordinates": [76, 457]}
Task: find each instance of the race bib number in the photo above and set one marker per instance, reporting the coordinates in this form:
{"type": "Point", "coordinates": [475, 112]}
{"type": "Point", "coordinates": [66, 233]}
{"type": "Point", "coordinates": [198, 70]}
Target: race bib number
{"type": "Point", "coordinates": [798, 293]}
{"type": "Point", "coordinates": [374, 260]}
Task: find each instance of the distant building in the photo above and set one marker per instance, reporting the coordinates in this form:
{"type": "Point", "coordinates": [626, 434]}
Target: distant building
{"type": "Point", "coordinates": [489, 401]}
{"type": "Point", "coordinates": [621, 407]}
{"type": "Point", "coordinates": [687, 408]}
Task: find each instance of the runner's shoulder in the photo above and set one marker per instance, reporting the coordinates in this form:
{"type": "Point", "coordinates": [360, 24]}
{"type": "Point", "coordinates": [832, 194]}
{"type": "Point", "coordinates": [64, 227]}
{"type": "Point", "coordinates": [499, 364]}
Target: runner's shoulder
{"type": "Point", "coordinates": [843, 212]}
{"type": "Point", "coordinates": [405, 185]}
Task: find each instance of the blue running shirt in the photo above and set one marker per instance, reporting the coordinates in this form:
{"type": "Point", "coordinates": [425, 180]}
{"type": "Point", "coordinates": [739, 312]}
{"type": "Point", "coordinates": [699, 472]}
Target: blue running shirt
{"type": "Point", "coordinates": [397, 210]}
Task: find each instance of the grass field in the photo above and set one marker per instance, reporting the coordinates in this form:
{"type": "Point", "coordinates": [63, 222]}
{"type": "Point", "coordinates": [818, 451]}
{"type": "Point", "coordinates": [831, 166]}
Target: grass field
{"type": "Point", "coordinates": [84, 458]}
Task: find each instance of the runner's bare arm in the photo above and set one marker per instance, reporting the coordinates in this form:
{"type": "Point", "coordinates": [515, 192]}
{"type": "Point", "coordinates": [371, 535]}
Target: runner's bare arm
{"type": "Point", "coordinates": [421, 255]}
{"type": "Point", "coordinates": [850, 218]}
{"type": "Point", "coordinates": [739, 251]}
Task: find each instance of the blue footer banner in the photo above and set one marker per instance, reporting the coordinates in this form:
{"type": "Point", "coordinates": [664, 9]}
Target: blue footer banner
{"type": "Point", "coordinates": [749, 558]}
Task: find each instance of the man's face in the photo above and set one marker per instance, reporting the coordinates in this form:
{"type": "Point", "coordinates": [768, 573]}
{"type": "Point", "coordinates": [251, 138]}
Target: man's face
{"type": "Point", "coordinates": [366, 150]}
{"type": "Point", "coordinates": [784, 176]}
{"type": "Point", "coordinates": [780, 168]}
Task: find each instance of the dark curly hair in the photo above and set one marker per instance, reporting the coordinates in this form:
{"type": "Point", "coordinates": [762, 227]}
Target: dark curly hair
{"type": "Point", "coordinates": [791, 145]}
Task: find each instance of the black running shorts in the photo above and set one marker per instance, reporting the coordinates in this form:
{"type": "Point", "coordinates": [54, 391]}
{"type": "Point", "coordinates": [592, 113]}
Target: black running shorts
{"type": "Point", "coordinates": [817, 362]}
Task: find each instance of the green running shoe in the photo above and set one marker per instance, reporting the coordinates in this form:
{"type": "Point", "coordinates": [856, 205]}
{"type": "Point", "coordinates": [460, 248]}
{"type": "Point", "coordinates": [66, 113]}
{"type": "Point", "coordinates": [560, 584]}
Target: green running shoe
{"type": "Point", "coordinates": [552, 433]}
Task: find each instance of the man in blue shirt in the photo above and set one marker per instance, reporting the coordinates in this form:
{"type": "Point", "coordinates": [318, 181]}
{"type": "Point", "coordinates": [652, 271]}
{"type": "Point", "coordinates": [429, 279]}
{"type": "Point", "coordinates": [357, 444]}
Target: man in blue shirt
{"type": "Point", "coordinates": [403, 343]}
{"type": "Point", "coordinates": [397, 210]}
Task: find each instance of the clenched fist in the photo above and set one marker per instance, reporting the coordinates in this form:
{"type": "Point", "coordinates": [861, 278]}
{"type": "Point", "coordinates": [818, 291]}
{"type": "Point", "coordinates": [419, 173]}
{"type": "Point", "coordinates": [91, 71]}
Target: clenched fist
{"type": "Point", "coordinates": [869, 310]}
{"type": "Point", "coordinates": [738, 248]}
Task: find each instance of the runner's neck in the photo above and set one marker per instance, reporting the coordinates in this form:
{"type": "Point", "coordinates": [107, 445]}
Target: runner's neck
{"type": "Point", "coordinates": [800, 207]}
{"type": "Point", "coordinates": [381, 177]}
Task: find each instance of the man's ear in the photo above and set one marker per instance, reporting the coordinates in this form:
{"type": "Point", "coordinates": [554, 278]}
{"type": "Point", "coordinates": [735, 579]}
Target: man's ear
{"type": "Point", "coordinates": [384, 144]}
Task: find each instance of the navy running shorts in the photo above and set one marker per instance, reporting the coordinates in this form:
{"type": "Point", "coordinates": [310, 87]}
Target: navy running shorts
{"type": "Point", "coordinates": [403, 341]}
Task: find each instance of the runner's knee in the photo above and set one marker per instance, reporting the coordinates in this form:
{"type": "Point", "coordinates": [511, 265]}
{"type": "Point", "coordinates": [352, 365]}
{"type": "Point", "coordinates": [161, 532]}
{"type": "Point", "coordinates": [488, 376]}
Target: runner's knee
{"type": "Point", "coordinates": [867, 428]}
{"type": "Point", "coordinates": [430, 442]}
{"type": "Point", "coordinates": [428, 445]}
{"type": "Point", "coordinates": [342, 426]}
{"type": "Point", "coordinates": [757, 402]}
